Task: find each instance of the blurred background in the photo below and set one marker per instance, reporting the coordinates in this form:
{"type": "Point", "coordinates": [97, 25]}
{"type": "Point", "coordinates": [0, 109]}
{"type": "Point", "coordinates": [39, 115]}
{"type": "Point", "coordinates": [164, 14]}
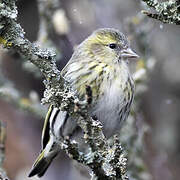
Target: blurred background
{"type": "Point", "coordinates": [158, 92]}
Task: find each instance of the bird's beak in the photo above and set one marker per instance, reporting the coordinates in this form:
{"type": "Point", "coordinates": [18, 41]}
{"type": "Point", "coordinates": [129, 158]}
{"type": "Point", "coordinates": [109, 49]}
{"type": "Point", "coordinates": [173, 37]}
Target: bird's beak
{"type": "Point", "coordinates": [128, 53]}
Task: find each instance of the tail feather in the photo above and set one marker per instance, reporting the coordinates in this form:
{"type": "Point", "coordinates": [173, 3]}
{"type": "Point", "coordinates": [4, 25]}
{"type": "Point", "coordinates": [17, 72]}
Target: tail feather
{"type": "Point", "coordinates": [44, 169]}
{"type": "Point", "coordinates": [41, 165]}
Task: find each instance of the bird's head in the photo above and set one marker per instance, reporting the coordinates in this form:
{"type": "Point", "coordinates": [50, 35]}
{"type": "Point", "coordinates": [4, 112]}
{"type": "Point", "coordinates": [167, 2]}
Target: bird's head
{"type": "Point", "coordinates": [108, 45]}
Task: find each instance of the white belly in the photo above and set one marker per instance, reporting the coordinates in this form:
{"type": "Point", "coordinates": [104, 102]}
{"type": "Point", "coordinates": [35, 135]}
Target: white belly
{"type": "Point", "coordinates": [110, 110]}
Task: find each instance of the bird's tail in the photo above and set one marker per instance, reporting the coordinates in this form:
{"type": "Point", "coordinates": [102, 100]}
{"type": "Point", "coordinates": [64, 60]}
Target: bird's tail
{"type": "Point", "coordinates": [41, 164]}
{"type": "Point", "coordinates": [44, 159]}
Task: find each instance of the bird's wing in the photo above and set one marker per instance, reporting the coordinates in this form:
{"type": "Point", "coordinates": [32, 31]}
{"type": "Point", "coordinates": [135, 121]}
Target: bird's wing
{"type": "Point", "coordinates": [75, 60]}
{"type": "Point", "coordinates": [45, 132]}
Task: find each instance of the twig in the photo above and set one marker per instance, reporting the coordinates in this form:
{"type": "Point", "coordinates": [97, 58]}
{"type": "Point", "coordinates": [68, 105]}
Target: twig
{"type": "Point", "coordinates": [167, 12]}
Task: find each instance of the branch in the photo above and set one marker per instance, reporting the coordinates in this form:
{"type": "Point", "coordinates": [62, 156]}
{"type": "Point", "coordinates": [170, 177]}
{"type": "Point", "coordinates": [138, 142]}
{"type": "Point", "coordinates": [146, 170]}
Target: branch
{"type": "Point", "coordinates": [167, 12]}
{"type": "Point", "coordinates": [106, 161]}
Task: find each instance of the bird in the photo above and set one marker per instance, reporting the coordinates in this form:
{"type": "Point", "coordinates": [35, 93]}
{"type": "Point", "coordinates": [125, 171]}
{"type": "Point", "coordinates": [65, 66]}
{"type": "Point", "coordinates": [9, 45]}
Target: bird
{"type": "Point", "coordinates": [100, 62]}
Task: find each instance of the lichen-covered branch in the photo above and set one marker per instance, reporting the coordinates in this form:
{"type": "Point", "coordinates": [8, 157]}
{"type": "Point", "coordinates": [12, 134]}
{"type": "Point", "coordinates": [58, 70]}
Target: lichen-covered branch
{"type": "Point", "coordinates": [12, 36]}
{"type": "Point", "coordinates": [167, 12]}
{"type": "Point", "coordinates": [107, 161]}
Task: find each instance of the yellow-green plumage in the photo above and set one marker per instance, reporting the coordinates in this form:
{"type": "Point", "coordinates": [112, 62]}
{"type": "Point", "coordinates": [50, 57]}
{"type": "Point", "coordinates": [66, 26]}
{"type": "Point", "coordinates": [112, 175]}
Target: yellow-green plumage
{"type": "Point", "coordinates": [101, 63]}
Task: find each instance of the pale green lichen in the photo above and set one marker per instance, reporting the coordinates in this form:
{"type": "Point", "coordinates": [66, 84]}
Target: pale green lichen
{"type": "Point", "coordinates": [167, 12]}
{"type": "Point", "coordinates": [8, 10]}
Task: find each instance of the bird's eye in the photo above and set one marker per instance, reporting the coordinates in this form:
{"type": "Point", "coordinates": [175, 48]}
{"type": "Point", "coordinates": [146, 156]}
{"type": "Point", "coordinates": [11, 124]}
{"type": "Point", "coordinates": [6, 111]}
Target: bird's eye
{"type": "Point", "coordinates": [113, 45]}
